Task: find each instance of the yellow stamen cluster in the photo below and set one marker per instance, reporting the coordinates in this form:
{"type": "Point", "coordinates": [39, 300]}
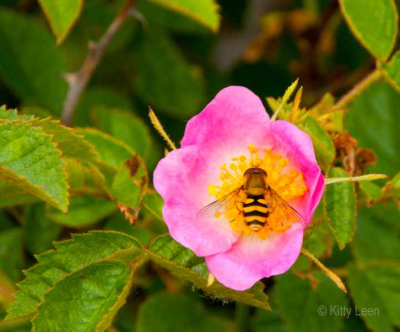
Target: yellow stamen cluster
{"type": "Point", "coordinates": [284, 180]}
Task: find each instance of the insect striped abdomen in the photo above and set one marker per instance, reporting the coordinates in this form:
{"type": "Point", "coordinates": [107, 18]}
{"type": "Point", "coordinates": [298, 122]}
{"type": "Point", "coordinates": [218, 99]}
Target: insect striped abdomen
{"type": "Point", "coordinates": [255, 211]}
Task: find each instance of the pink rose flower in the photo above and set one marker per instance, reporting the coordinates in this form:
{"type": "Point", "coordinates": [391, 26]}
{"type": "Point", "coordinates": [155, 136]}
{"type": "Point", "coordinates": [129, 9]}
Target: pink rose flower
{"type": "Point", "coordinates": [255, 228]}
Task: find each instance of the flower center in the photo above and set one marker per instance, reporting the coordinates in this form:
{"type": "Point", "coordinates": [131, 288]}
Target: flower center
{"type": "Point", "coordinates": [256, 191]}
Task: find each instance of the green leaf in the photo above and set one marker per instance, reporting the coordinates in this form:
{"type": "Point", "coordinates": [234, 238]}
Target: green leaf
{"type": "Point", "coordinates": [84, 211]}
{"type": "Point", "coordinates": [111, 150]}
{"type": "Point", "coordinates": [377, 228]}
{"type": "Point", "coordinates": [10, 114]}
{"type": "Point", "coordinates": [30, 63]}
{"type": "Point", "coordinates": [395, 182]}
{"type": "Point", "coordinates": [376, 292]}
{"type": "Point", "coordinates": [371, 190]}
{"type": "Point", "coordinates": [268, 321]}
{"type": "Point", "coordinates": [10, 195]}
{"type": "Point", "coordinates": [205, 12]}
{"type": "Point", "coordinates": [68, 257]}
{"type": "Point", "coordinates": [70, 143]}
{"type": "Point", "coordinates": [178, 312]}
{"type": "Point", "coordinates": [392, 187]}
{"type": "Point", "coordinates": [35, 111]}
{"type": "Point", "coordinates": [354, 324]}
{"type": "Point", "coordinates": [340, 207]}
{"type": "Point", "coordinates": [323, 145]}
{"type": "Point", "coordinates": [318, 239]}
{"type": "Point", "coordinates": [392, 70]}
{"type": "Point", "coordinates": [127, 184]}
{"type": "Point", "coordinates": [185, 265]}
{"type": "Point", "coordinates": [61, 15]}
{"type": "Point", "coordinates": [170, 20]}
{"type": "Point", "coordinates": [154, 204]}
{"type": "Point", "coordinates": [299, 303]}
{"type": "Point", "coordinates": [5, 221]}
{"type": "Point", "coordinates": [98, 97]}
{"type": "Point", "coordinates": [125, 321]}
{"type": "Point", "coordinates": [11, 253]}
{"type": "Point", "coordinates": [151, 211]}
{"type": "Point", "coordinates": [90, 296]}
{"type": "Point", "coordinates": [124, 172]}
{"type": "Point", "coordinates": [39, 229]}
{"type": "Point", "coordinates": [155, 76]}
{"type": "Point", "coordinates": [30, 160]}
{"type": "Point", "coordinates": [328, 117]}
{"type": "Point", "coordinates": [370, 120]}
{"type": "Point", "coordinates": [84, 178]}
{"type": "Point", "coordinates": [374, 23]}
{"type": "Point", "coordinates": [126, 127]}
{"type": "Point", "coordinates": [118, 222]}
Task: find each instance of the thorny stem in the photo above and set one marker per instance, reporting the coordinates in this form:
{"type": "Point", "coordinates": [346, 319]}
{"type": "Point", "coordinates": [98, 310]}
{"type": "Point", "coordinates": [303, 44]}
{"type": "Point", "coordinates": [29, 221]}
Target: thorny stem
{"type": "Point", "coordinates": [346, 99]}
{"type": "Point", "coordinates": [79, 80]}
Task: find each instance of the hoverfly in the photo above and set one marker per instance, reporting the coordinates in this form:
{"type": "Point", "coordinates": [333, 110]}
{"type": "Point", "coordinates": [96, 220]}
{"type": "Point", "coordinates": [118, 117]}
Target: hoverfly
{"type": "Point", "coordinates": [260, 202]}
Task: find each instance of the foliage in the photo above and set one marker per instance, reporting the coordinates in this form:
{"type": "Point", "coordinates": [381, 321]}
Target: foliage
{"type": "Point", "coordinates": [83, 244]}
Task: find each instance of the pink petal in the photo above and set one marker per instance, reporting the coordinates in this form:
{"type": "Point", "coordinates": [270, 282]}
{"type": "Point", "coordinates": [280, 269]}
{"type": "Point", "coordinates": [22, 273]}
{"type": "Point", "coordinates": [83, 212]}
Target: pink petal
{"type": "Point", "coordinates": [251, 259]}
{"type": "Point", "coordinates": [316, 197]}
{"type": "Point", "coordinates": [297, 146]}
{"type": "Point", "coordinates": [181, 179]}
{"type": "Point", "coordinates": [234, 119]}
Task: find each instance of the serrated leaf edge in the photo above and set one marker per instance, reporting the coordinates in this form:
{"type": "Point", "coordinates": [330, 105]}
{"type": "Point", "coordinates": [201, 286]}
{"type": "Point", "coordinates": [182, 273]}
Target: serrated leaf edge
{"type": "Point", "coordinates": [64, 277]}
{"type": "Point", "coordinates": [134, 266]}
{"type": "Point", "coordinates": [329, 220]}
{"type": "Point", "coordinates": [47, 197]}
{"type": "Point", "coordinates": [205, 289]}
{"type": "Point", "coordinates": [55, 243]}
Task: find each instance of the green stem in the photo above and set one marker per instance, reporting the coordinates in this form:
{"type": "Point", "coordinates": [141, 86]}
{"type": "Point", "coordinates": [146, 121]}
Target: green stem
{"type": "Point", "coordinates": [346, 99]}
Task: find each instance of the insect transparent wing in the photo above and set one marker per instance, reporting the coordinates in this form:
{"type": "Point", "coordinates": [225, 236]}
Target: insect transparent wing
{"type": "Point", "coordinates": [218, 205]}
{"type": "Point", "coordinates": [283, 209]}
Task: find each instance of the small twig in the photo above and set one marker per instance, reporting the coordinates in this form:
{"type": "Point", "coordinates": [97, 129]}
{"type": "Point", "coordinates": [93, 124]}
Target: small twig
{"type": "Point", "coordinates": [324, 269]}
{"type": "Point", "coordinates": [78, 81]}
{"type": "Point", "coordinates": [346, 99]}
{"type": "Point", "coordinates": [366, 177]}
